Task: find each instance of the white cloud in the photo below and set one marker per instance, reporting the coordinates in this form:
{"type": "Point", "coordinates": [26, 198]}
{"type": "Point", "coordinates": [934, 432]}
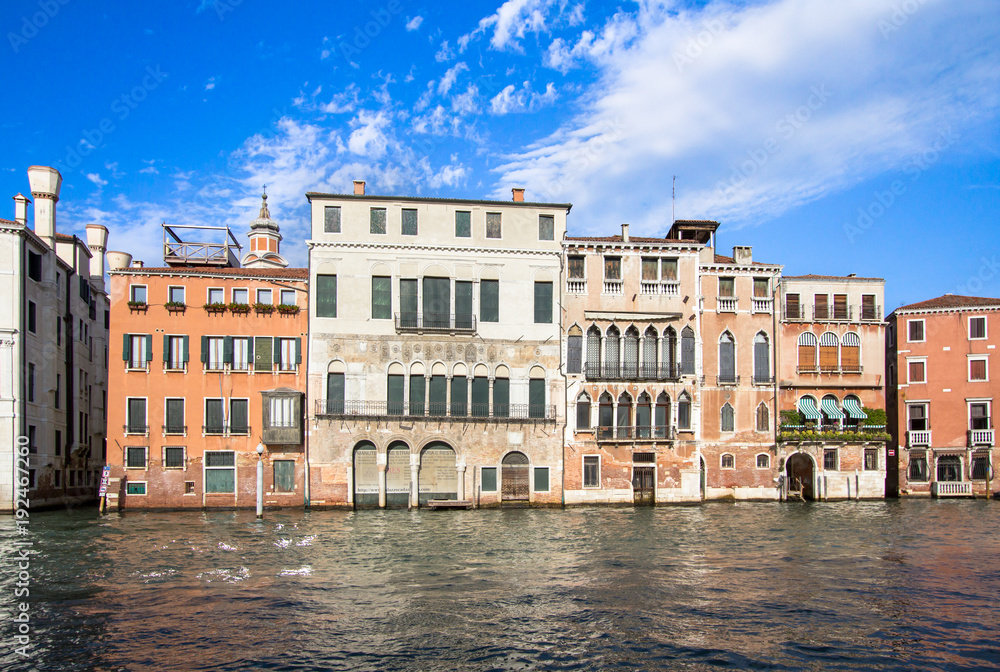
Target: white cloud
{"type": "Point", "coordinates": [450, 76]}
{"type": "Point", "coordinates": [510, 22]}
{"type": "Point", "coordinates": [444, 53]}
{"type": "Point", "coordinates": [96, 179]}
{"type": "Point", "coordinates": [511, 100]}
{"type": "Point", "coordinates": [369, 137]}
{"type": "Point", "coordinates": [414, 23]}
{"type": "Point", "coordinates": [210, 84]}
{"type": "Point", "coordinates": [468, 102]}
{"type": "Point", "coordinates": [759, 108]}
{"type": "Point", "coordinates": [150, 170]}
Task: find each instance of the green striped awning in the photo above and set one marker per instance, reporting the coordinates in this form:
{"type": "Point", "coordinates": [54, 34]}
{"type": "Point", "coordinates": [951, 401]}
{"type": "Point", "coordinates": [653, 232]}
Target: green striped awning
{"type": "Point", "coordinates": [853, 408]}
{"type": "Point", "coordinates": [829, 407]}
{"type": "Point", "coordinates": [807, 406]}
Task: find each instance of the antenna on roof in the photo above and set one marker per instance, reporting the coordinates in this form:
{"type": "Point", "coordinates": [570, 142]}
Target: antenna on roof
{"type": "Point", "coordinates": [673, 201]}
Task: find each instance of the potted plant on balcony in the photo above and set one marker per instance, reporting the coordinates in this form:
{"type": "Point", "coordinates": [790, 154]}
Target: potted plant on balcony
{"type": "Point", "coordinates": [175, 306]}
{"type": "Point", "coordinates": [239, 308]}
{"type": "Point", "coordinates": [263, 308]}
{"type": "Point", "coordinates": [137, 305]}
{"type": "Point", "coordinates": [288, 309]}
{"type": "Point", "coordinates": [215, 307]}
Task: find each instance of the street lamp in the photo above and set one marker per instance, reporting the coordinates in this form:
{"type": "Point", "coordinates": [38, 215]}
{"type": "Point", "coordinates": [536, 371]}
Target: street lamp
{"type": "Point", "coordinates": [260, 480]}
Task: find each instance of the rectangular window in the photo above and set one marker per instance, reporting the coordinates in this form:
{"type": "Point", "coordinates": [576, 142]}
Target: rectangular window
{"type": "Point", "coordinates": [977, 327]}
{"type": "Point", "coordinates": [761, 288]}
{"type": "Point", "coordinates": [31, 316]}
{"type": "Point", "coordinates": [283, 412]}
{"type": "Point", "coordinates": [591, 471]}
{"type": "Point", "coordinates": [650, 269]}
{"type": "Point", "coordinates": [821, 307]}
{"type": "Point", "coordinates": [239, 416]}
{"type": "Point", "coordinates": [437, 392]}
{"type": "Point", "coordinates": [493, 229]}
{"type": "Point", "coordinates": [463, 224]}
{"type": "Point", "coordinates": [830, 459]}
{"type": "Point", "coordinates": [977, 369]}
{"type": "Point", "coordinates": [541, 479]}
{"type": "Point", "coordinates": [459, 396]}
{"type": "Point", "coordinates": [396, 394]}
{"type": "Point", "coordinates": [917, 417]}
{"type": "Point", "coordinates": [214, 357]}
{"type": "Point", "coordinates": [408, 225]}
{"type": "Point", "coordinates": [220, 471]}
{"type": "Point", "coordinates": [326, 296]}
{"type": "Point", "coordinates": [917, 372]}
{"type": "Point", "coordinates": [265, 296]}
{"type": "Point", "coordinates": [58, 442]}
{"type": "Point", "coordinates": [135, 457]}
{"type": "Point", "coordinates": [980, 466]}
{"type": "Point", "coordinates": [612, 268]}
{"type": "Point", "coordinates": [214, 421]}
{"type": "Point", "coordinates": [241, 354]}
{"type": "Point", "coordinates": [536, 398]}
{"type": "Point", "coordinates": [463, 304]}
{"type": "Point", "coordinates": [869, 311]}
{"type": "Point", "coordinates": [480, 396]}
{"type": "Point", "coordinates": [543, 302]}
{"type": "Point", "coordinates": [173, 457]}
{"type": "Point", "coordinates": [576, 268]}
{"type": "Point", "coordinates": [914, 331]}
{"type": "Point", "coordinates": [381, 297]}
{"type": "Point", "coordinates": [871, 459]}
{"type": "Point", "coordinates": [284, 475]}
{"type": "Point", "coordinates": [331, 219]}
{"type": "Point", "coordinates": [241, 296]}
{"type": "Point", "coordinates": [792, 309]}
{"type": "Point", "coordinates": [546, 227]}
{"type": "Point", "coordinates": [489, 300]}
{"type": "Point", "coordinates": [131, 488]}
{"type": "Point", "coordinates": [287, 297]}
{"type": "Point", "coordinates": [34, 266]}
{"type": "Point", "coordinates": [378, 220]}
{"type": "Point", "coordinates": [31, 382]}
{"type": "Point", "coordinates": [137, 350]}
{"type": "Point", "coordinates": [917, 471]}
{"type": "Point", "coordinates": [58, 398]}
{"type": "Point", "coordinates": [32, 436]}
{"type": "Point", "coordinates": [979, 415]}
{"type": "Point", "coordinates": [135, 416]}
{"type": "Point", "coordinates": [488, 478]}
{"type": "Point", "coordinates": [174, 421]}
{"type": "Point", "coordinates": [137, 293]}
{"type": "Point", "coordinates": [727, 287]}
{"type": "Point", "coordinates": [175, 294]}
{"type": "Point", "coordinates": [574, 354]}
{"type": "Point", "coordinates": [417, 388]}
{"type": "Point", "coordinates": [668, 271]}
{"type": "Point", "coordinates": [840, 311]}
{"type": "Point", "coordinates": [288, 354]}
{"type": "Point", "coordinates": [216, 295]}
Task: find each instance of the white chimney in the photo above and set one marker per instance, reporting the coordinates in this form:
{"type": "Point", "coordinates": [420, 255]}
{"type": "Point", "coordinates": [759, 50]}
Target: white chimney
{"type": "Point", "coordinates": [136, 263]}
{"type": "Point", "coordinates": [97, 241]}
{"type": "Point", "coordinates": [118, 261]}
{"type": "Point", "coordinates": [743, 255]}
{"type": "Point", "coordinates": [21, 209]}
{"type": "Point", "coordinates": [359, 187]}
{"type": "Point", "coordinates": [624, 233]}
{"type": "Point", "coordinates": [45, 183]}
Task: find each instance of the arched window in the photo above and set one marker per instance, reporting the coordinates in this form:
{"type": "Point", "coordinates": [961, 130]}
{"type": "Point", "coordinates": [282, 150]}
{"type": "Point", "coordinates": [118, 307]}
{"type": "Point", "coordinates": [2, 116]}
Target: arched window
{"type": "Point", "coordinates": [763, 461]}
{"type": "Point", "coordinates": [687, 350]}
{"type": "Point", "coordinates": [684, 411]}
{"type": "Point", "coordinates": [605, 416]}
{"type": "Point", "coordinates": [593, 352]}
{"type": "Point", "coordinates": [396, 389]}
{"type": "Point", "coordinates": [727, 358]}
{"type": "Point", "coordinates": [418, 389]}
{"type": "Point", "coordinates": [643, 416]}
{"type": "Point", "coordinates": [763, 418]}
{"type": "Point", "coordinates": [830, 408]}
{"type": "Point", "coordinates": [761, 359]}
{"type": "Point", "coordinates": [631, 353]}
{"type": "Point", "coordinates": [649, 354]}
{"type": "Point", "coordinates": [335, 388]}
{"type": "Point", "coordinates": [728, 461]}
{"type": "Point", "coordinates": [583, 411]}
{"type": "Point", "coordinates": [829, 359]}
{"type": "Point", "coordinates": [662, 419]}
{"type": "Point", "coordinates": [855, 413]}
{"type": "Point", "coordinates": [574, 350]}
{"type": "Point", "coordinates": [728, 418]}
{"type": "Point", "coordinates": [669, 358]}
{"type": "Point", "coordinates": [612, 344]}
{"type": "Point", "coordinates": [850, 353]}
{"type": "Point", "coordinates": [807, 352]}
{"type": "Point", "coordinates": [624, 419]}
{"type": "Point", "coordinates": [501, 392]}
{"type": "Point", "coordinates": [536, 392]}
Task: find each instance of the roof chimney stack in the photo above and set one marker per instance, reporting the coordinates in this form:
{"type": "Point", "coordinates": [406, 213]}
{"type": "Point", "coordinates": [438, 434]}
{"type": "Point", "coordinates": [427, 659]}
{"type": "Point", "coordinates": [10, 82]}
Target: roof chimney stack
{"type": "Point", "coordinates": [45, 183]}
{"type": "Point", "coordinates": [518, 194]}
{"type": "Point", "coordinates": [743, 255]}
{"type": "Point", "coordinates": [97, 241]}
{"type": "Point", "coordinates": [119, 261]}
{"type": "Point", "coordinates": [21, 209]}
{"type": "Point", "coordinates": [624, 233]}
{"type": "Point", "coordinates": [359, 187]}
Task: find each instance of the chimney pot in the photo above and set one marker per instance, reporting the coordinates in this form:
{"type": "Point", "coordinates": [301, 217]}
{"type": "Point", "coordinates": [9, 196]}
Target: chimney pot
{"type": "Point", "coordinates": [118, 261]}
{"type": "Point", "coordinates": [359, 187]}
{"type": "Point", "coordinates": [624, 233]}
{"type": "Point", "coordinates": [518, 193]}
{"type": "Point", "coordinates": [743, 254]}
{"type": "Point", "coordinates": [21, 209]}
{"type": "Point", "coordinates": [45, 183]}
{"type": "Point", "coordinates": [137, 263]}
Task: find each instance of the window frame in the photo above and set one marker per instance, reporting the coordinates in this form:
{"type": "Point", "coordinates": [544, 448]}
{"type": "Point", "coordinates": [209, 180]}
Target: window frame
{"type": "Point", "coordinates": [731, 461]}
{"type": "Point", "coordinates": [767, 461]}
{"type": "Point", "coordinates": [284, 294]}
{"type": "Point", "coordinates": [403, 214]}
{"type": "Point", "coordinates": [482, 485]}
{"type": "Point", "coordinates": [551, 231]}
{"type": "Point", "coordinates": [328, 306]}
{"type": "Point", "coordinates": [261, 292]}
{"type": "Point", "coordinates": [910, 323]}
{"type": "Point", "coordinates": [274, 476]}
{"type": "Point", "coordinates": [988, 403]}
{"type": "Point", "coordinates": [208, 295]}
{"type": "Point", "coordinates": [985, 359]}
{"type": "Point", "coordinates": [466, 231]}
{"type": "Point", "coordinates": [168, 429]}
{"type": "Point", "coordinates": [233, 299]}
{"type": "Point", "coordinates": [593, 459]}
{"type": "Point", "coordinates": [145, 293]}
{"type": "Point", "coordinates": [128, 457]}
{"type": "Point", "coordinates": [131, 488]}
{"type": "Point", "coordinates": [865, 466]}
{"type": "Point", "coordinates": [827, 452]}
{"type": "Point", "coordinates": [985, 335]}
{"type": "Point", "coordinates": [327, 211]}
{"type": "Point", "coordinates": [183, 465]}
{"type": "Point", "coordinates": [498, 222]}
{"type": "Point", "coordinates": [909, 373]}
{"type": "Point", "coordinates": [183, 291]}
{"type": "Point", "coordinates": [373, 224]}
{"type": "Point", "coordinates": [542, 312]}
{"type": "Point", "coordinates": [535, 471]}
{"type": "Point", "coordinates": [206, 469]}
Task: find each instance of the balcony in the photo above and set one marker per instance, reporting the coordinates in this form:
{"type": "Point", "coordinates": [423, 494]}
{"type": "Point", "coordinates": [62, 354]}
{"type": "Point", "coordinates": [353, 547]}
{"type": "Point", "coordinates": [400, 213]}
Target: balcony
{"type": "Point", "coordinates": [951, 489]}
{"type": "Point", "coordinates": [727, 379]}
{"type": "Point", "coordinates": [833, 313]}
{"type": "Point", "coordinates": [576, 286]}
{"type": "Point", "coordinates": [980, 437]}
{"type": "Point", "coordinates": [615, 287]}
{"type": "Point", "coordinates": [871, 313]}
{"type": "Point", "coordinates": [636, 433]}
{"type": "Point", "coordinates": [806, 368]}
{"type": "Point", "coordinates": [727, 304]}
{"type": "Point", "coordinates": [794, 313]}
{"type": "Point", "coordinates": [133, 429]}
{"type": "Point", "coordinates": [448, 322]}
{"type": "Point", "coordinates": [175, 430]}
{"type": "Point", "coordinates": [662, 288]}
{"type": "Point", "coordinates": [226, 430]}
{"type": "Point", "coordinates": [631, 371]}
{"type": "Point", "coordinates": [137, 365]}
{"type": "Point", "coordinates": [918, 437]}
{"type": "Point", "coordinates": [763, 380]}
{"type": "Point", "coordinates": [761, 305]}
{"type": "Point", "coordinates": [851, 368]}
{"type": "Point", "coordinates": [435, 411]}
{"type": "Point", "coordinates": [831, 433]}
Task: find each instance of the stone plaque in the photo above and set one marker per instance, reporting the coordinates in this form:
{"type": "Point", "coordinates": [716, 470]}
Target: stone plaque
{"type": "Point", "coordinates": [365, 472]}
{"type": "Point", "coordinates": [397, 477]}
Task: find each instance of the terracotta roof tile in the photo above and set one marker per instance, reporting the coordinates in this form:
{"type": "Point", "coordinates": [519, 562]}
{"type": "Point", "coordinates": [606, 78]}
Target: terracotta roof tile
{"type": "Point", "coordinates": [953, 301]}
{"type": "Point", "coordinates": [64, 236]}
{"type": "Point", "coordinates": [828, 277]}
{"type": "Point", "coordinates": [291, 273]}
{"type": "Point", "coordinates": [723, 259]}
{"type": "Point", "coordinates": [618, 239]}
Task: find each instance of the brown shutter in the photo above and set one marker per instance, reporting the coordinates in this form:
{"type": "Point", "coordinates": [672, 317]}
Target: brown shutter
{"type": "Point", "coordinates": [822, 309]}
{"type": "Point", "coordinates": [828, 357]}
{"type": "Point", "coordinates": [840, 306]}
{"type": "Point", "coordinates": [807, 357]}
{"type": "Point", "coordinates": [850, 357]}
{"type": "Point", "coordinates": [977, 369]}
{"type": "Point", "coordinates": [792, 306]}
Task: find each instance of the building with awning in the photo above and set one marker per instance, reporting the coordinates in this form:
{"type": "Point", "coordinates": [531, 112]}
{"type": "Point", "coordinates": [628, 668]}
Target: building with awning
{"type": "Point", "coordinates": [807, 407]}
{"type": "Point", "coordinates": [853, 407]}
{"type": "Point", "coordinates": [829, 406]}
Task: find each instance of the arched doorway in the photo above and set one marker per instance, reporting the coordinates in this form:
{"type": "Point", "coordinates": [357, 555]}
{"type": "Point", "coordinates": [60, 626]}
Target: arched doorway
{"type": "Point", "coordinates": [365, 476]}
{"type": "Point", "coordinates": [437, 478]}
{"type": "Point", "coordinates": [799, 472]}
{"type": "Point", "coordinates": [514, 477]}
{"type": "Point", "coordinates": [397, 475]}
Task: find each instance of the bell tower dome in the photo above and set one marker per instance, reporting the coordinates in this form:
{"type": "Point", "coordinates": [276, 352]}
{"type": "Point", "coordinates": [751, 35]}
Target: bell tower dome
{"type": "Point", "coordinates": [265, 239]}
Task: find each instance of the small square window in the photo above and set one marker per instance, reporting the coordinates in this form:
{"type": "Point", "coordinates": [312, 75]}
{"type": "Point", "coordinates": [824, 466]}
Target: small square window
{"type": "Point", "coordinates": [331, 219]}
{"type": "Point", "coordinates": [488, 479]}
{"type": "Point", "coordinates": [288, 297]}
{"type": "Point", "coordinates": [216, 295]}
{"type": "Point", "coordinates": [135, 457]}
{"type": "Point", "coordinates": [265, 296]}
{"type": "Point", "coordinates": [175, 295]}
{"type": "Point", "coordinates": [728, 461]}
{"type": "Point", "coordinates": [378, 220]}
{"type": "Point", "coordinates": [915, 331]}
{"type": "Point", "coordinates": [408, 225]}
{"type": "Point", "coordinates": [541, 479]}
{"type": "Point", "coordinates": [173, 457]}
{"type": "Point", "coordinates": [241, 296]}
{"type": "Point", "coordinates": [493, 228]}
{"type": "Point", "coordinates": [546, 227]}
{"type": "Point", "coordinates": [871, 459]}
{"type": "Point", "coordinates": [978, 370]}
{"type": "Point", "coordinates": [763, 461]}
{"type": "Point", "coordinates": [977, 327]}
{"type": "Point", "coordinates": [830, 459]}
{"type": "Point", "coordinates": [188, 487]}
{"type": "Point", "coordinates": [463, 224]}
{"type": "Point", "coordinates": [134, 488]}
{"type": "Point", "coordinates": [138, 293]}
{"type": "Point", "coordinates": [917, 372]}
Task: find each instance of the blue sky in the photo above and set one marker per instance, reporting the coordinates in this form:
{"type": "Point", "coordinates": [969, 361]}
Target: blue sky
{"type": "Point", "coordinates": [857, 136]}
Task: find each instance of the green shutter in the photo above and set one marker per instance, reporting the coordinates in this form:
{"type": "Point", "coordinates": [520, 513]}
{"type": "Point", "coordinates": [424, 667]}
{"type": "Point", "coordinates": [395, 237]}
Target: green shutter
{"type": "Point", "coordinates": [238, 416]}
{"type": "Point", "coordinates": [489, 479]}
{"type": "Point", "coordinates": [501, 397]}
{"type": "Point", "coordinates": [416, 395]}
{"type": "Point", "coordinates": [262, 358]}
{"type": "Point", "coordinates": [126, 346]}
{"type": "Point", "coordinates": [437, 302]}
{"type": "Point", "coordinates": [284, 475]}
{"type": "Point", "coordinates": [334, 393]}
{"type": "Point", "coordinates": [395, 394]}
{"type": "Point", "coordinates": [227, 350]}
{"type": "Point", "coordinates": [184, 349]}
{"type": "Point", "coordinates": [298, 350]}
{"type": "Point", "coordinates": [204, 349]}
{"type": "Point", "coordinates": [463, 224]}
{"type": "Point", "coordinates": [408, 303]}
{"type": "Point", "coordinates": [381, 297]}
{"type": "Point", "coordinates": [459, 395]}
{"type": "Point", "coordinates": [438, 395]}
{"type": "Point", "coordinates": [249, 351]}
{"type": "Point", "coordinates": [536, 398]}
{"type": "Point", "coordinates": [541, 479]}
{"type": "Point", "coordinates": [463, 304]}
{"type": "Point", "coordinates": [543, 302]}
{"type": "Point", "coordinates": [326, 296]}
{"type": "Point", "coordinates": [489, 300]}
{"type": "Point", "coordinates": [149, 347]}
{"type": "Point", "coordinates": [166, 348]}
{"type": "Point", "coordinates": [276, 351]}
{"type": "Point", "coordinates": [480, 396]}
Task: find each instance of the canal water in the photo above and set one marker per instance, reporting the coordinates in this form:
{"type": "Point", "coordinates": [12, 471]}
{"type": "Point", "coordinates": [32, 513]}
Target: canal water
{"type": "Point", "coordinates": [881, 585]}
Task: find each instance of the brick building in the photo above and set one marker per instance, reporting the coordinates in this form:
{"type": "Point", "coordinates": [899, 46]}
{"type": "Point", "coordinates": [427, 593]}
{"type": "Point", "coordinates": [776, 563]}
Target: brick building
{"type": "Point", "coordinates": [939, 358]}
{"type": "Point", "coordinates": [210, 365]}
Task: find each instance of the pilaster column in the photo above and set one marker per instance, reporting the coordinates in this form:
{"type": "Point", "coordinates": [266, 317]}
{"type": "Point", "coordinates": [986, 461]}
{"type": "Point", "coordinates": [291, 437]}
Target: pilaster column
{"type": "Point", "coordinates": [414, 469]}
{"type": "Point", "coordinates": [460, 474]}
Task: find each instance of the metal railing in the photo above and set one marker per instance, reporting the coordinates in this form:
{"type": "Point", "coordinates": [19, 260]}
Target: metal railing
{"type": "Point", "coordinates": [132, 429]}
{"type": "Point", "coordinates": [636, 433]}
{"type": "Point", "coordinates": [918, 437]}
{"type": "Point", "coordinates": [172, 365]}
{"type": "Point", "coordinates": [763, 380]}
{"type": "Point", "coordinates": [134, 364]}
{"type": "Point", "coordinates": [727, 379]}
{"type": "Point", "coordinates": [175, 430]}
{"type": "Point", "coordinates": [980, 437]}
{"type": "Point", "coordinates": [871, 313]}
{"type": "Point", "coordinates": [631, 371]}
{"type": "Point", "coordinates": [435, 410]}
{"type": "Point", "coordinates": [832, 313]}
{"type": "Point", "coordinates": [226, 430]}
{"type": "Point", "coordinates": [851, 368]}
{"type": "Point", "coordinates": [435, 322]}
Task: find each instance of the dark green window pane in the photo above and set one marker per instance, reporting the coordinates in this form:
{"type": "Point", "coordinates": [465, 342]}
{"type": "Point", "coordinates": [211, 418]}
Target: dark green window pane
{"type": "Point", "coordinates": [238, 416]}
{"type": "Point", "coordinates": [135, 488]}
{"type": "Point", "coordinates": [546, 227]}
{"type": "Point", "coordinates": [213, 416]}
{"type": "Point", "coordinates": [463, 304]}
{"type": "Point", "coordinates": [536, 398]}
{"type": "Point", "coordinates": [459, 396]}
{"type": "Point", "coordinates": [378, 220]}
{"type": "Point", "coordinates": [173, 457]}
{"type": "Point", "coordinates": [437, 302]}
{"type": "Point", "coordinates": [334, 393]}
{"type": "Point", "coordinates": [543, 302]}
{"type": "Point", "coordinates": [381, 298]}
{"type": "Point", "coordinates": [574, 354]}
{"type": "Point", "coordinates": [262, 354]}
{"type": "Point", "coordinates": [541, 479]}
{"type": "Point", "coordinates": [396, 393]}
{"type": "Point", "coordinates": [220, 480]}
{"type": "Point", "coordinates": [409, 224]}
{"type": "Point", "coordinates": [438, 395]}
{"type": "Point", "coordinates": [331, 219]}
{"type": "Point", "coordinates": [326, 296]}
{"type": "Point", "coordinates": [284, 475]}
{"type": "Point", "coordinates": [417, 395]}
{"type": "Point", "coordinates": [489, 479]}
{"type": "Point", "coordinates": [408, 303]}
{"type": "Point", "coordinates": [137, 457]}
{"type": "Point", "coordinates": [463, 224]}
{"type": "Point", "coordinates": [137, 416]}
{"type": "Point", "coordinates": [480, 396]}
{"type": "Point", "coordinates": [489, 300]}
{"type": "Point", "coordinates": [501, 398]}
{"type": "Point", "coordinates": [175, 416]}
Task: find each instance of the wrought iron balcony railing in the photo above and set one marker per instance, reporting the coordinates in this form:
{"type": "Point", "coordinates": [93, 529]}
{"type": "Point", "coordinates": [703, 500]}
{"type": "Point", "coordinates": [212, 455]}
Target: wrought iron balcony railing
{"type": "Point", "coordinates": [226, 430]}
{"type": "Point", "coordinates": [435, 322]}
{"type": "Point", "coordinates": [631, 371]}
{"type": "Point", "coordinates": [434, 410]}
{"type": "Point", "coordinates": [636, 433]}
